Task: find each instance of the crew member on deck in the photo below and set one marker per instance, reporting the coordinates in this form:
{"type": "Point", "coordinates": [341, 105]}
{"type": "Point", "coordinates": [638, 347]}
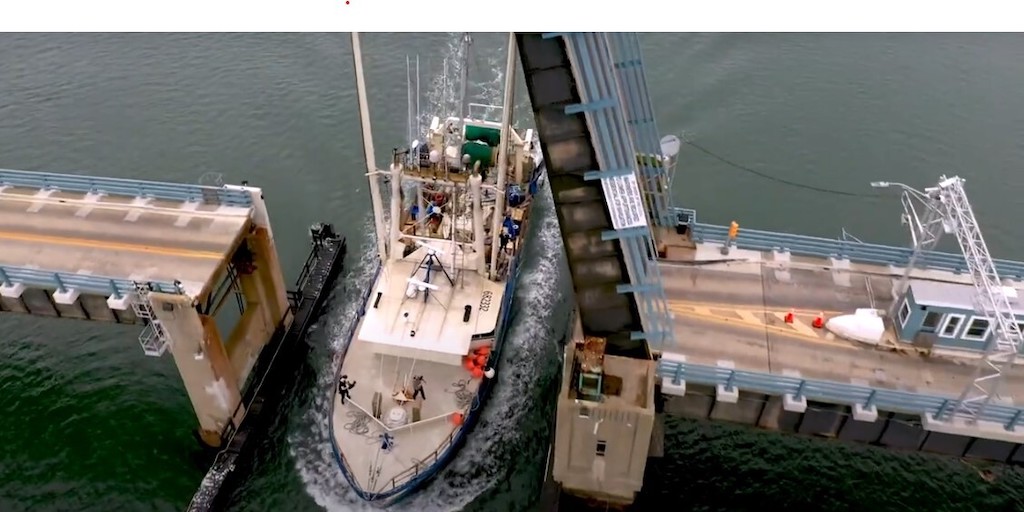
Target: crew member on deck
{"type": "Point", "coordinates": [434, 214]}
{"type": "Point", "coordinates": [417, 387]}
{"type": "Point", "coordinates": [387, 442]}
{"type": "Point", "coordinates": [509, 231]}
{"type": "Point", "coordinates": [344, 386]}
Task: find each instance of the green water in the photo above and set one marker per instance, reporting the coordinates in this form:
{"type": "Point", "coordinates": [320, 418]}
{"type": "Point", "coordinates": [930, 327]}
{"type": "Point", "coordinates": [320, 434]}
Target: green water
{"type": "Point", "coordinates": [89, 423]}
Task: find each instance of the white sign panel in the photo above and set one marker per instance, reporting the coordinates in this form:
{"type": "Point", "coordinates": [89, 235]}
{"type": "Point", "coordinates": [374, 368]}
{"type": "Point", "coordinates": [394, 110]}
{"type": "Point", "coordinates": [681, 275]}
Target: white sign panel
{"type": "Point", "coordinates": [624, 201]}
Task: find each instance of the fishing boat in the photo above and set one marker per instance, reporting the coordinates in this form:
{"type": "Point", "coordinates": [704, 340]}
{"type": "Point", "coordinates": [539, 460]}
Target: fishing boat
{"type": "Point", "coordinates": [422, 358]}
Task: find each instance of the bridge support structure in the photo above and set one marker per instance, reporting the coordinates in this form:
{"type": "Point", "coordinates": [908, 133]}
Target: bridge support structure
{"type": "Point", "coordinates": [166, 256]}
{"type": "Point", "coordinates": [606, 412]}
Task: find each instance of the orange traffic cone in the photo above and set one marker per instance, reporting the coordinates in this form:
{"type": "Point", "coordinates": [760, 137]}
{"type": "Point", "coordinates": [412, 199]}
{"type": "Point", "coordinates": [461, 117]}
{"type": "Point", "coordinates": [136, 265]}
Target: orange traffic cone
{"type": "Point", "coordinates": [819, 321]}
{"type": "Point", "coordinates": [789, 317]}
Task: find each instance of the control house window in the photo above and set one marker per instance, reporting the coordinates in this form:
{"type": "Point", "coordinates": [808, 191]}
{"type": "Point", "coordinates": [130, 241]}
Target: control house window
{"type": "Point", "coordinates": [951, 325]}
{"type": "Point", "coordinates": [977, 330]}
{"type": "Point", "coordinates": [904, 313]}
{"type": "Point", "coordinates": [931, 321]}
{"type": "Point", "coordinates": [601, 446]}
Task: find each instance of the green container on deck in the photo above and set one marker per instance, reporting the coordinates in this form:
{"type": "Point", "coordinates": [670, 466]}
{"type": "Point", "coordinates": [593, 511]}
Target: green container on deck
{"type": "Point", "coordinates": [478, 152]}
{"type": "Point", "coordinates": [489, 136]}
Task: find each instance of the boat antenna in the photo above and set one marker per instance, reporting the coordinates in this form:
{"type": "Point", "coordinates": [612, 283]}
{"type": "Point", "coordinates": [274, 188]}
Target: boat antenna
{"type": "Point", "coordinates": [419, 125]}
{"type": "Point", "coordinates": [371, 162]}
{"type": "Point", "coordinates": [467, 40]}
{"type": "Point", "coordinates": [506, 121]}
{"type": "Point", "coordinates": [454, 223]}
{"type": "Point", "coordinates": [408, 89]}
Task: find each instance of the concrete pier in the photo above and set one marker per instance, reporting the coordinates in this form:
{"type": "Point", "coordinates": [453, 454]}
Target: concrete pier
{"type": "Point", "coordinates": [163, 255]}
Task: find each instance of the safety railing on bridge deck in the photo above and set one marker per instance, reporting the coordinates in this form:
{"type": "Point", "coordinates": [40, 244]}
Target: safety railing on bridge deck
{"type": "Point", "coordinates": [92, 284]}
{"type": "Point", "coordinates": [125, 187]}
{"type": "Point", "coordinates": [848, 248]}
{"type": "Point", "coordinates": [601, 99]}
{"type": "Point", "coordinates": [686, 216]}
{"type": "Point", "coordinates": [829, 392]}
{"type": "Point", "coordinates": [655, 171]}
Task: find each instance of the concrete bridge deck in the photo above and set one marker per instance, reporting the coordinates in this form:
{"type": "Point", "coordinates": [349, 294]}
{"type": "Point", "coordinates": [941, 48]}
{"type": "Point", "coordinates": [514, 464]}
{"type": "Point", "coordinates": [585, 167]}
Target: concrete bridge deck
{"type": "Point", "coordinates": [745, 364]}
{"type": "Point", "coordinates": [75, 233]}
{"type": "Point", "coordinates": [82, 235]}
{"type": "Point", "coordinates": [735, 312]}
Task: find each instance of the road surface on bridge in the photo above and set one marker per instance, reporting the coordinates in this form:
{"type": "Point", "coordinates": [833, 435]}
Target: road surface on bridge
{"type": "Point", "coordinates": [118, 237]}
{"type": "Point", "coordinates": [736, 312]}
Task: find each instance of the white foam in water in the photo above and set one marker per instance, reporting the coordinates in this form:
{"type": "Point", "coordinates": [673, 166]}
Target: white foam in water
{"type": "Point", "coordinates": [442, 97]}
{"type": "Point", "coordinates": [474, 470]}
{"type": "Point", "coordinates": [309, 439]}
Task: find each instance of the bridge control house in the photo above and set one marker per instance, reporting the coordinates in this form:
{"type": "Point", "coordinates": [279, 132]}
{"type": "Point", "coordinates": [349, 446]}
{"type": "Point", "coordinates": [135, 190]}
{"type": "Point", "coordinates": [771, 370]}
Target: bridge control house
{"type": "Point", "coordinates": [942, 315]}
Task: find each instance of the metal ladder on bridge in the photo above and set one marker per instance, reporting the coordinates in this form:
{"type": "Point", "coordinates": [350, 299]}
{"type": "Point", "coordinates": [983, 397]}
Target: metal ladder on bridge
{"type": "Point", "coordinates": [153, 338]}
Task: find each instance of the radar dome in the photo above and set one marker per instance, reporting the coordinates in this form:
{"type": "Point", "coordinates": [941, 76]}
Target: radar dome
{"type": "Point", "coordinates": [670, 145]}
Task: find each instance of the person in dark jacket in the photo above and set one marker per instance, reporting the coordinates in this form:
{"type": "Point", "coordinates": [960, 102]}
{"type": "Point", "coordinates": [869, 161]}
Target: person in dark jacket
{"type": "Point", "coordinates": [417, 387]}
{"type": "Point", "coordinates": [344, 386]}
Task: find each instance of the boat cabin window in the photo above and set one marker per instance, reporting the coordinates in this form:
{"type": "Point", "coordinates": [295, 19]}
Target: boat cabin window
{"type": "Point", "coordinates": [904, 313]}
{"type": "Point", "coordinates": [601, 446]}
{"type": "Point", "coordinates": [978, 329]}
{"type": "Point", "coordinates": [951, 325]}
{"type": "Point", "coordinates": [931, 321]}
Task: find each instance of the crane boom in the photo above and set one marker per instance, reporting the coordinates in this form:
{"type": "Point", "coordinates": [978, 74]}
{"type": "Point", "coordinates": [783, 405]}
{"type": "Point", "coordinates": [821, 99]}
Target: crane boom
{"type": "Point", "coordinates": [990, 300]}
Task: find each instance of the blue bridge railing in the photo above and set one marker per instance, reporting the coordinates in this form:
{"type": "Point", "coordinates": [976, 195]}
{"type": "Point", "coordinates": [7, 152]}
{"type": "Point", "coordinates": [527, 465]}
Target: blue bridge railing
{"type": "Point", "coordinates": [607, 119]}
{"type": "Point", "coordinates": [92, 284]}
{"type": "Point", "coordinates": [829, 392]}
{"type": "Point", "coordinates": [126, 187]}
{"type": "Point", "coordinates": [639, 113]}
{"type": "Point", "coordinates": [852, 250]}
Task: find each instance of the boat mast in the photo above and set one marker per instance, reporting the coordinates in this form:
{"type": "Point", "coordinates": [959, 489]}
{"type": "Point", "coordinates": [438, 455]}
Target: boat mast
{"type": "Point", "coordinates": [476, 191]}
{"type": "Point", "coordinates": [466, 41]}
{"type": "Point", "coordinates": [371, 162]}
{"type": "Point", "coordinates": [411, 133]}
{"type": "Point", "coordinates": [396, 210]}
{"type": "Point", "coordinates": [506, 122]}
{"type": "Point", "coordinates": [417, 130]}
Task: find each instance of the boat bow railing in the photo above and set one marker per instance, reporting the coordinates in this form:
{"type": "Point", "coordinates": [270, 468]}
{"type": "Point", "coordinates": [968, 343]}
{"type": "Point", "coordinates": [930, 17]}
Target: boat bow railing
{"type": "Point", "coordinates": [419, 465]}
{"type": "Point", "coordinates": [484, 112]}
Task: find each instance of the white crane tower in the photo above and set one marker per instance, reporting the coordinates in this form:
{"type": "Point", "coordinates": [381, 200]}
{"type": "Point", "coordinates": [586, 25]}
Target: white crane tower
{"type": "Point", "coordinates": [947, 210]}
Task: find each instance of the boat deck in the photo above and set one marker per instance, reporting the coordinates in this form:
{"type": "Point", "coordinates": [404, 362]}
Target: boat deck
{"type": "Point", "coordinates": [448, 389]}
{"type": "Point", "coordinates": [430, 327]}
{"type": "Point", "coordinates": [734, 312]}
